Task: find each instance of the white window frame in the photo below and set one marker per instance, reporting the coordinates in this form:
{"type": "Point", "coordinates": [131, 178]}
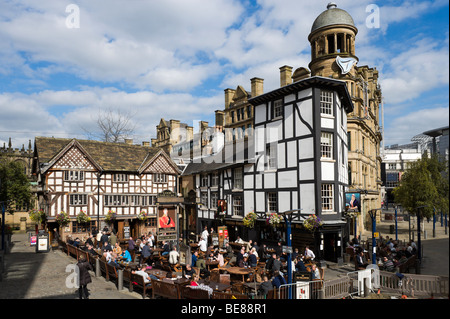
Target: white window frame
{"type": "Point", "coordinates": [159, 178]}
{"type": "Point", "coordinates": [204, 199]}
{"type": "Point", "coordinates": [120, 178]}
{"type": "Point", "coordinates": [272, 202]}
{"type": "Point", "coordinates": [215, 180]}
{"type": "Point", "coordinates": [213, 200]}
{"type": "Point", "coordinates": [326, 102]}
{"type": "Point", "coordinates": [326, 145]}
{"type": "Point", "coordinates": [73, 176]}
{"type": "Point", "coordinates": [77, 199]}
{"type": "Point", "coordinates": [238, 178]}
{"type": "Point", "coordinates": [238, 205]}
{"type": "Point", "coordinates": [277, 109]}
{"type": "Point", "coordinates": [327, 198]}
{"type": "Point", "coordinates": [271, 156]}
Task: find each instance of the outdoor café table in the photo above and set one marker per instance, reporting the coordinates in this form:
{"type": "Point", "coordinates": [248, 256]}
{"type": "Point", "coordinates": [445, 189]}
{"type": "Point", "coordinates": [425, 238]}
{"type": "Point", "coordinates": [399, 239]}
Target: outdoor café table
{"type": "Point", "coordinates": [240, 271]}
{"type": "Point", "coordinates": [157, 272]}
{"type": "Point", "coordinates": [211, 263]}
{"type": "Point", "coordinates": [216, 286]}
{"type": "Point", "coordinates": [158, 251]}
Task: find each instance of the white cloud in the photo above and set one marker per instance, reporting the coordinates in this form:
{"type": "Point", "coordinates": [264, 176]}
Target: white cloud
{"type": "Point", "coordinates": [405, 127]}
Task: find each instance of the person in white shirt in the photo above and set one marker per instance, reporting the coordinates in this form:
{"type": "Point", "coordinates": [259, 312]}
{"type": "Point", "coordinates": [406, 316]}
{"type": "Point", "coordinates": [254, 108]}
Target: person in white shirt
{"type": "Point", "coordinates": [205, 234]}
{"type": "Point", "coordinates": [173, 256]}
{"type": "Point", "coordinates": [203, 245]}
{"type": "Point", "coordinates": [309, 253]}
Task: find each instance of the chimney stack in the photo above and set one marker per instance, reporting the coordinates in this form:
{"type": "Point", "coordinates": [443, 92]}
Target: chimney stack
{"type": "Point", "coordinates": [257, 86]}
{"type": "Point", "coordinates": [229, 93]}
{"type": "Point", "coordinates": [129, 141]}
{"type": "Point", "coordinates": [285, 75]}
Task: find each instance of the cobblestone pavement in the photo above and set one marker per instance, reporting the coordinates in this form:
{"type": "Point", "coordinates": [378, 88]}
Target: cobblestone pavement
{"type": "Point", "coordinates": [31, 275]}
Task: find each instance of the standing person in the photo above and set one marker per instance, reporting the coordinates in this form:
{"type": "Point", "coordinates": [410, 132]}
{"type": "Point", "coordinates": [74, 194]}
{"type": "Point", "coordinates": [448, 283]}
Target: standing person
{"type": "Point", "coordinates": [113, 239]}
{"type": "Point", "coordinates": [98, 237]}
{"type": "Point", "coordinates": [173, 256]}
{"type": "Point", "coordinates": [309, 253]}
{"type": "Point", "coordinates": [84, 278]}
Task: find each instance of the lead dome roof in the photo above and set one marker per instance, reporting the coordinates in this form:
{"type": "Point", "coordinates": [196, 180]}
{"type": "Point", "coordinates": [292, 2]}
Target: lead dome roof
{"type": "Point", "coordinates": [332, 16]}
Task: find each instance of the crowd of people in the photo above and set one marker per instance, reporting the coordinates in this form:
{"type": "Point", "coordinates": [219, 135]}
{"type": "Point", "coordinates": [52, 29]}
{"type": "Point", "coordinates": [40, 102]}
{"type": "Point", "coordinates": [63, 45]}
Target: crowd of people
{"type": "Point", "coordinates": [390, 254]}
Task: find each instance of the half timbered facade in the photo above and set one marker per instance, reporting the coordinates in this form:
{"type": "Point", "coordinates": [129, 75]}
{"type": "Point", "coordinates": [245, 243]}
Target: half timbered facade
{"type": "Point", "coordinates": [296, 160]}
{"type": "Point", "coordinates": [98, 177]}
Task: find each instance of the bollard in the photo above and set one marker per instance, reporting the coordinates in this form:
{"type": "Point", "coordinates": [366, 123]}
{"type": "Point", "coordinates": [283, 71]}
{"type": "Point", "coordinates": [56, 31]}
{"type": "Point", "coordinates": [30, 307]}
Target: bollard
{"type": "Point", "coordinates": [366, 287]}
{"type": "Point", "coordinates": [98, 271]}
{"type": "Point", "coordinates": [120, 279]}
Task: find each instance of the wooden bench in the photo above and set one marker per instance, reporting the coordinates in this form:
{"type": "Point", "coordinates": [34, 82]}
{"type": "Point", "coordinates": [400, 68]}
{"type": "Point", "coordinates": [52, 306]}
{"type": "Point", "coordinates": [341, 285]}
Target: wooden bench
{"type": "Point", "coordinates": [165, 289]}
{"type": "Point", "coordinates": [187, 292]}
{"type": "Point", "coordinates": [411, 262]}
{"type": "Point", "coordinates": [137, 281]}
{"type": "Point", "coordinates": [71, 250]}
{"type": "Point", "coordinates": [112, 273]}
{"type": "Point", "coordinates": [226, 295]}
{"type": "Point", "coordinates": [104, 268]}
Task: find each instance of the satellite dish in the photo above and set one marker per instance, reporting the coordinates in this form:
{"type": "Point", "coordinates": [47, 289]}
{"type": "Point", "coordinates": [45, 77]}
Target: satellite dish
{"type": "Point", "coordinates": [345, 64]}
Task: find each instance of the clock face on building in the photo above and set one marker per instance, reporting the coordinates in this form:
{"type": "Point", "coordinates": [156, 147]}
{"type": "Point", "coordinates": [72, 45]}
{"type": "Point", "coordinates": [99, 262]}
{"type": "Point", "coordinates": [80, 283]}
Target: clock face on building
{"type": "Point", "coordinates": [345, 64]}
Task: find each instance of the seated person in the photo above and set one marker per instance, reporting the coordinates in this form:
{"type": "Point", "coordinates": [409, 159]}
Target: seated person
{"type": "Point", "coordinates": [252, 260]}
{"type": "Point", "coordinates": [300, 266]}
{"type": "Point", "coordinates": [278, 280]}
{"type": "Point", "coordinates": [194, 281]}
{"type": "Point", "coordinates": [315, 272]}
{"type": "Point", "coordinates": [166, 248]}
{"type": "Point", "coordinates": [147, 277]}
{"type": "Point", "coordinates": [117, 249]}
{"type": "Point", "coordinates": [126, 256]}
{"type": "Point", "coordinates": [189, 272]}
{"type": "Point", "coordinates": [388, 265]}
{"type": "Point", "coordinates": [265, 286]}
{"type": "Point", "coordinates": [361, 260]}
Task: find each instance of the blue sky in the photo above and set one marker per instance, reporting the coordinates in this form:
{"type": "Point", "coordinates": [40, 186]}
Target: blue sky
{"type": "Point", "coordinates": [173, 59]}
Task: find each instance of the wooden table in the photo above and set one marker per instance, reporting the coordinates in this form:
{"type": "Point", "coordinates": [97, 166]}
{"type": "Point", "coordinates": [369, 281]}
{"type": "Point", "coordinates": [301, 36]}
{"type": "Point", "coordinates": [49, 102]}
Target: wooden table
{"type": "Point", "coordinates": [221, 287]}
{"type": "Point", "coordinates": [240, 271]}
{"type": "Point", "coordinates": [211, 263]}
{"type": "Point", "coordinates": [157, 273]}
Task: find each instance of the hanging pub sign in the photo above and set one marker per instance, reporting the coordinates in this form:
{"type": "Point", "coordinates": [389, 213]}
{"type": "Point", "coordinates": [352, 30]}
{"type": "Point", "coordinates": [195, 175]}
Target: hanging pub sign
{"type": "Point", "coordinates": [222, 207]}
{"type": "Point", "coordinates": [353, 202]}
{"type": "Point", "coordinates": [167, 223]}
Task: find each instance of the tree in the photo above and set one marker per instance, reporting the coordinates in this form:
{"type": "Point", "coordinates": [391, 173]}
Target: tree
{"type": "Point", "coordinates": [14, 185]}
{"type": "Point", "coordinates": [424, 184]}
{"type": "Point", "coordinates": [114, 125]}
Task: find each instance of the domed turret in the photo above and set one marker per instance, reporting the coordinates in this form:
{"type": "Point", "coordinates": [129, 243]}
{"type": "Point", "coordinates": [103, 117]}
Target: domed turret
{"type": "Point", "coordinates": [332, 16]}
{"type": "Point", "coordinates": [332, 36]}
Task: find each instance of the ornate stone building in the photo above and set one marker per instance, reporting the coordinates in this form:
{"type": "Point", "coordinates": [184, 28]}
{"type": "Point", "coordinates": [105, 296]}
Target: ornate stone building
{"type": "Point", "coordinates": [333, 55]}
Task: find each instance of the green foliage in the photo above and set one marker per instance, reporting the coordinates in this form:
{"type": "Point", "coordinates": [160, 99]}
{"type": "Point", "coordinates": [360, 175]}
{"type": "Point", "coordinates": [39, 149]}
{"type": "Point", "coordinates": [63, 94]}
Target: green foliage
{"type": "Point", "coordinates": [425, 183]}
{"type": "Point", "coordinates": [15, 186]}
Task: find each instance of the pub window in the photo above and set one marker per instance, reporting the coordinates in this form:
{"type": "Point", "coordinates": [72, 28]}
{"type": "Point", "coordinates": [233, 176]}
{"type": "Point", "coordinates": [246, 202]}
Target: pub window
{"type": "Point", "coordinates": [238, 209]}
{"type": "Point", "coordinates": [204, 180]}
{"type": "Point", "coordinates": [78, 199]}
{"type": "Point", "coordinates": [135, 200]}
{"type": "Point", "coordinates": [277, 109]}
{"type": "Point", "coordinates": [326, 102]}
{"type": "Point", "coordinates": [272, 202]}
{"type": "Point", "coordinates": [237, 182]}
{"type": "Point", "coordinates": [83, 228]}
{"type": "Point", "coordinates": [215, 179]}
{"type": "Point", "coordinates": [120, 178]}
{"type": "Point", "coordinates": [327, 197]}
{"type": "Point", "coordinates": [326, 145]}
{"type": "Point", "coordinates": [232, 116]}
{"type": "Point", "coordinates": [74, 176]}
{"type": "Point", "coordinates": [214, 199]}
{"type": "Point", "coordinates": [204, 199]}
{"type": "Point", "coordinates": [159, 178]}
{"type": "Point", "coordinates": [271, 156]}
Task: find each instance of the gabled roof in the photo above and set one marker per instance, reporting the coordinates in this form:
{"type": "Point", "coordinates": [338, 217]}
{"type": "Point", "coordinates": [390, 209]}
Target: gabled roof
{"type": "Point", "coordinates": [105, 156]}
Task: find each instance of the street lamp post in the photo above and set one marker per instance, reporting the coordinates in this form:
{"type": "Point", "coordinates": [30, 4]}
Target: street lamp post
{"type": "Point", "coordinates": [373, 215]}
{"type": "Point", "coordinates": [99, 176]}
{"type": "Point", "coordinates": [396, 225]}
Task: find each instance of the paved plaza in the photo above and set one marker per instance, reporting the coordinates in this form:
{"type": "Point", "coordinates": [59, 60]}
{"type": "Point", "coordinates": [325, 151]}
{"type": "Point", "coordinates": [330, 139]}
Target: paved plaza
{"type": "Point", "coordinates": [31, 275]}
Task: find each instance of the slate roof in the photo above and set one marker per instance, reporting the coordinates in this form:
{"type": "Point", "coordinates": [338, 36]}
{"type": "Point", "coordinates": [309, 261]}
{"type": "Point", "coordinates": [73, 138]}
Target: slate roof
{"type": "Point", "coordinates": [109, 156]}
